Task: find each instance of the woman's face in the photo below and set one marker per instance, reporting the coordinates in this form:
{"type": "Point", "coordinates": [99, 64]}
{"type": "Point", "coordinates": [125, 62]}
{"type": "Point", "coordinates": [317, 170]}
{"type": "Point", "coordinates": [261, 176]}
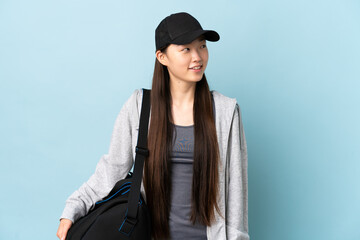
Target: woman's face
{"type": "Point", "coordinates": [186, 62]}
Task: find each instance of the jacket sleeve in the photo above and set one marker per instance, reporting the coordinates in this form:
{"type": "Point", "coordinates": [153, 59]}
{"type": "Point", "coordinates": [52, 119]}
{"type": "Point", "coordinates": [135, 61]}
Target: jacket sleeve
{"type": "Point", "coordinates": [237, 181]}
{"type": "Point", "coordinates": [111, 167]}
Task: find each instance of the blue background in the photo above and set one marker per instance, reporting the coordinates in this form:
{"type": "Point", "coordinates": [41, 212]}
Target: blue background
{"type": "Point", "coordinates": [67, 67]}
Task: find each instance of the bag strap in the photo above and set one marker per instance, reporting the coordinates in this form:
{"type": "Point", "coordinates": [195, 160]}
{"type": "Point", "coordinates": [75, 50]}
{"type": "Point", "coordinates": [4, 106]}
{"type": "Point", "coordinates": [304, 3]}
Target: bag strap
{"type": "Point", "coordinates": [141, 153]}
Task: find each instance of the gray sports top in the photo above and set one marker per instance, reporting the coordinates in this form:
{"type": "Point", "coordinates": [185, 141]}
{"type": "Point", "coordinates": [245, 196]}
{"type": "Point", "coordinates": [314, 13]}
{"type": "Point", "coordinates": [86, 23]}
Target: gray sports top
{"type": "Point", "coordinates": [182, 172]}
{"type": "Point", "coordinates": [182, 157]}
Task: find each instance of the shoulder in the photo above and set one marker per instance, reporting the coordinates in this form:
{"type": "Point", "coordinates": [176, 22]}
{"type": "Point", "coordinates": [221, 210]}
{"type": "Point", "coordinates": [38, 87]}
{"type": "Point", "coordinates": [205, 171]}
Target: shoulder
{"type": "Point", "coordinates": [225, 106]}
{"type": "Point", "coordinates": [134, 98]}
{"type": "Point", "coordinates": [130, 110]}
{"type": "Point", "coordinates": [133, 103]}
{"type": "Point", "coordinates": [221, 98]}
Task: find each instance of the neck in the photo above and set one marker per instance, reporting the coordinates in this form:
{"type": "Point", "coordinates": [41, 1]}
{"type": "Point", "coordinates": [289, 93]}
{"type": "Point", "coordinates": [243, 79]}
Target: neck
{"type": "Point", "coordinates": [182, 93]}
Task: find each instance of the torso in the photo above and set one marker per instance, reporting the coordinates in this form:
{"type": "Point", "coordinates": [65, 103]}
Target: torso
{"type": "Point", "coordinates": [181, 184]}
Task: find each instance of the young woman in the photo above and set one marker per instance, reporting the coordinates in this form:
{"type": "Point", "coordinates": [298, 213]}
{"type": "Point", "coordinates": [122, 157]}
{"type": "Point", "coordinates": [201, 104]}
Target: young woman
{"type": "Point", "coordinates": [195, 177]}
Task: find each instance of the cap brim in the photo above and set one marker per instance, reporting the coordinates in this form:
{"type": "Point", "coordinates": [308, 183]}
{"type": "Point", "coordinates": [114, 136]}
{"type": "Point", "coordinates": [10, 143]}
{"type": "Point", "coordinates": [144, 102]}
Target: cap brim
{"type": "Point", "coordinates": [209, 35]}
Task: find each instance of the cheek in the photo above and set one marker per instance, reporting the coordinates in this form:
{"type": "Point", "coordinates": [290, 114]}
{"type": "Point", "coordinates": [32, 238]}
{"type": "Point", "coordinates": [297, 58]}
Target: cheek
{"type": "Point", "coordinates": [179, 65]}
{"type": "Point", "coordinates": [205, 56]}
{"type": "Point", "coordinates": [205, 59]}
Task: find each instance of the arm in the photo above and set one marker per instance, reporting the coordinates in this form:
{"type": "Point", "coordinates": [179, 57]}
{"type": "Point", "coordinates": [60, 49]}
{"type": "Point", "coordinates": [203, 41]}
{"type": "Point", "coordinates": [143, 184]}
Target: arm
{"type": "Point", "coordinates": [111, 167]}
{"type": "Point", "coordinates": [237, 181]}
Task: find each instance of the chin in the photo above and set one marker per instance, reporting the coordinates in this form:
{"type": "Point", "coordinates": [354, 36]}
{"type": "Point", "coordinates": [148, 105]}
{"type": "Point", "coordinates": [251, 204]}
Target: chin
{"type": "Point", "coordinates": [198, 78]}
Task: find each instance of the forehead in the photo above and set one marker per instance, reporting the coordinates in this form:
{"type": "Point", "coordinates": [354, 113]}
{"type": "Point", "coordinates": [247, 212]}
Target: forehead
{"type": "Point", "coordinates": [176, 47]}
{"type": "Point", "coordinates": [201, 38]}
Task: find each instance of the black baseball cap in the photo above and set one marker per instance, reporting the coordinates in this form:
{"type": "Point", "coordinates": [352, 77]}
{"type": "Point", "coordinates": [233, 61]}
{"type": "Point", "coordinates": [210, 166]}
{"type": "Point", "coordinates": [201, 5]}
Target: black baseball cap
{"type": "Point", "coordinates": [181, 28]}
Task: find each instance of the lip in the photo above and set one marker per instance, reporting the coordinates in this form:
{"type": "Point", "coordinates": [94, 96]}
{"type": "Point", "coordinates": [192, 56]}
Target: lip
{"type": "Point", "coordinates": [197, 66]}
{"type": "Point", "coordinates": [196, 70]}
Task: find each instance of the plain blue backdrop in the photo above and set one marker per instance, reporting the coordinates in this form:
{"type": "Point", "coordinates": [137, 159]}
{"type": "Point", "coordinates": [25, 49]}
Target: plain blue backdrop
{"type": "Point", "coordinates": [67, 67]}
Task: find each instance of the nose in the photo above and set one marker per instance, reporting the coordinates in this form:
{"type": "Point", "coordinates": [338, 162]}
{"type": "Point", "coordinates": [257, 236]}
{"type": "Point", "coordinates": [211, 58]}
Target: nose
{"type": "Point", "coordinates": [196, 56]}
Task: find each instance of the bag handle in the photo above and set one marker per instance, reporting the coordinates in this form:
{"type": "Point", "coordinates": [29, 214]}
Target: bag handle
{"type": "Point", "coordinates": [141, 153]}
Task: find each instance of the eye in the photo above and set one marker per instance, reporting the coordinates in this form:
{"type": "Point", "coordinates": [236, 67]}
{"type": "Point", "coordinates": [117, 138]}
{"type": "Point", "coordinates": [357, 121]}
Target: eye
{"type": "Point", "coordinates": [203, 46]}
{"type": "Point", "coordinates": [186, 49]}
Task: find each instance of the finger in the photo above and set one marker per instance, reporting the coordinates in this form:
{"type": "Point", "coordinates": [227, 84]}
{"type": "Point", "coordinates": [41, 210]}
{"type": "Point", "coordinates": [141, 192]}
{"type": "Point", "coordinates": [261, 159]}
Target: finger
{"type": "Point", "coordinates": [59, 233]}
{"type": "Point", "coordinates": [64, 234]}
{"type": "Point", "coordinates": [65, 231]}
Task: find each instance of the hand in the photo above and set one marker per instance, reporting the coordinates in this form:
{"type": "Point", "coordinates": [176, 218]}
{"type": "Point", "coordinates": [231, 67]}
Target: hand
{"type": "Point", "coordinates": [63, 229]}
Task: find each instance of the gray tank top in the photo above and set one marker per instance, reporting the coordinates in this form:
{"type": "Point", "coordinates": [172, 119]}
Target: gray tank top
{"type": "Point", "coordinates": [182, 172]}
{"type": "Point", "coordinates": [182, 157]}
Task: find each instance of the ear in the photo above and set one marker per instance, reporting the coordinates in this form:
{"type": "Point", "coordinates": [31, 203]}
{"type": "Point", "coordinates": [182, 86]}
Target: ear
{"type": "Point", "coordinates": [161, 57]}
